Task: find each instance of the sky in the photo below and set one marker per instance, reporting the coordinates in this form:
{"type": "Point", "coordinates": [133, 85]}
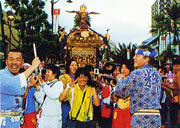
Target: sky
{"type": "Point", "coordinates": [128, 20]}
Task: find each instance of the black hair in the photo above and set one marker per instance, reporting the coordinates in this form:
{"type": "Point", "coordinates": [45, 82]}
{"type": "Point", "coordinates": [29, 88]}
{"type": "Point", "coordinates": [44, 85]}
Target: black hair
{"type": "Point", "coordinates": [14, 50]}
{"type": "Point", "coordinates": [68, 65]}
{"type": "Point", "coordinates": [128, 65]}
{"type": "Point", "coordinates": [162, 68]}
{"type": "Point", "coordinates": [54, 68]}
{"type": "Point", "coordinates": [176, 61]}
{"type": "Point", "coordinates": [89, 68]}
{"type": "Point", "coordinates": [107, 64]}
{"type": "Point", "coordinates": [150, 49]}
{"type": "Point", "coordinates": [82, 71]}
{"type": "Point", "coordinates": [62, 66]}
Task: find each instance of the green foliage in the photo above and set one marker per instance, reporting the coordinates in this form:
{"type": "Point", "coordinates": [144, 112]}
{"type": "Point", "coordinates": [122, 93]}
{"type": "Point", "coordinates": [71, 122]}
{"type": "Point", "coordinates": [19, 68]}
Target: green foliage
{"type": "Point", "coordinates": [161, 25]}
{"type": "Point", "coordinates": [168, 24]}
{"type": "Point", "coordinates": [174, 14]}
{"type": "Point", "coordinates": [119, 54]}
{"type": "Point", "coordinates": [32, 25]}
{"type": "Point", "coordinates": [168, 54]}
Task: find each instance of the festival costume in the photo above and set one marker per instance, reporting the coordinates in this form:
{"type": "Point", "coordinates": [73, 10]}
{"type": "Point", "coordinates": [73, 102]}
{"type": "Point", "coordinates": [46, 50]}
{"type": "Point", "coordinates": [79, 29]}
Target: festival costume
{"type": "Point", "coordinates": [144, 87]}
{"type": "Point", "coordinates": [50, 114]}
{"type": "Point", "coordinates": [66, 79]}
{"type": "Point", "coordinates": [121, 114]}
{"type": "Point", "coordinates": [81, 113]}
{"type": "Point", "coordinates": [11, 93]}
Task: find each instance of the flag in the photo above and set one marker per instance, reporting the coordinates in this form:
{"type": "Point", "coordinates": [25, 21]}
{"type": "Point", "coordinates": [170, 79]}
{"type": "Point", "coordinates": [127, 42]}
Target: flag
{"type": "Point", "coordinates": [56, 13]}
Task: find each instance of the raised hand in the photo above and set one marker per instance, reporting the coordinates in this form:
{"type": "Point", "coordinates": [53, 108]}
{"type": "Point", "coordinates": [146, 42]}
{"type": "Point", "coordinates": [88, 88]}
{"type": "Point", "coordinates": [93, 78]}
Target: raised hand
{"type": "Point", "coordinates": [120, 76]}
{"type": "Point", "coordinates": [33, 80]}
{"type": "Point", "coordinates": [39, 78]}
{"type": "Point", "coordinates": [36, 62]}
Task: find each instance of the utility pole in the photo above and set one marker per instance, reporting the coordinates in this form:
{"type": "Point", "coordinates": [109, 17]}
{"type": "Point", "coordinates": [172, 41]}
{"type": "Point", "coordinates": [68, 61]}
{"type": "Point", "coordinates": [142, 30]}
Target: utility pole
{"type": "Point", "coordinates": [52, 17]}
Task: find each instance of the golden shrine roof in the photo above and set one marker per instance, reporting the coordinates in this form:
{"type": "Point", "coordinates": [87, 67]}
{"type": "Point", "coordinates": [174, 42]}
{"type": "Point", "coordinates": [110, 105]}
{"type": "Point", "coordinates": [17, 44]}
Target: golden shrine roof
{"type": "Point", "coordinates": [83, 38]}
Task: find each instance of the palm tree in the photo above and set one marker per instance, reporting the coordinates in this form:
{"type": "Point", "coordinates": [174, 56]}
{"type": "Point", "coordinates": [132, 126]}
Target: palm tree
{"type": "Point", "coordinates": [158, 27]}
{"type": "Point", "coordinates": [119, 54]}
{"type": "Point", "coordinates": [165, 25]}
{"type": "Point", "coordinates": [174, 14]}
{"type": "Point", "coordinates": [168, 54]}
{"type": "Point", "coordinates": [161, 26]}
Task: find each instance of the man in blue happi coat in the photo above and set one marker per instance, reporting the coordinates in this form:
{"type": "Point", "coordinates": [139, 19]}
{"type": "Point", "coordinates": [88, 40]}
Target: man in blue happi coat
{"type": "Point", "coordinates": [143, 85]}
{"type": "Point", "coordinates": [12, 87]}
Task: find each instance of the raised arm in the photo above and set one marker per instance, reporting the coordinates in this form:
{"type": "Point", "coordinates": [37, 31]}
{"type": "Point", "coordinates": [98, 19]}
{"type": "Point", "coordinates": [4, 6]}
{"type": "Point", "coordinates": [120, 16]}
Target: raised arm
{"type": "Point", "coordinates": [124, 87]}
{"type": "Point", "coordinates": [12, 84]}
{"type": "Point", "coordinates": [64, 94]}
{"type": "Point", "coordinates": [35, 63]}
{"type": "Point", "coordinates": [96, 100]}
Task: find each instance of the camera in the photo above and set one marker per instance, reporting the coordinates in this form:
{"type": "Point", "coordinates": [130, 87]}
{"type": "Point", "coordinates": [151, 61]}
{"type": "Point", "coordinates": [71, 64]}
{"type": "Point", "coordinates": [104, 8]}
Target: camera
{"type": "Point", "coordinates": [96, 72]}
{"type": "Point", "coordinates": [109, 78]}
{"type": "Point", "coordinates": [92, 83]}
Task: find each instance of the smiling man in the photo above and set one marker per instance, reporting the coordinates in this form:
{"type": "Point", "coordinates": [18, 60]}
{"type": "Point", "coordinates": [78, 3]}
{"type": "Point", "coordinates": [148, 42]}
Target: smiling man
{"type": "Point", "coordinates": [12, 86]}
{"type": "Point", "coordinates": [143, 85]}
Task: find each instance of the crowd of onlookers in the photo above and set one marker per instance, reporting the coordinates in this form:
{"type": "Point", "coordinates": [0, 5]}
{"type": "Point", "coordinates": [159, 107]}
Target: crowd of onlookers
{"type": "Point", "coordinates": [56, 87]}
{"type": "Point", "coordinates": [107, 110]}
{"type": "Point", "coordinates": [170, 112]}
{"type": "Point", "coordinates": [68, 96]}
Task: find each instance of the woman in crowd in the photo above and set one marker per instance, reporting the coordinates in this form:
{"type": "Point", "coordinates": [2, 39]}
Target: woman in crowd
{"type": "Point", "coordinates": [116, 71]}
{"type": "Point", "coordinates": [121, 114]}
{"type": "Point", "coordinates": [104, 80]}
{"type": "Point", "coordinates": [50, 113]}
{"type": "Point", "coordinates": [67, 79]}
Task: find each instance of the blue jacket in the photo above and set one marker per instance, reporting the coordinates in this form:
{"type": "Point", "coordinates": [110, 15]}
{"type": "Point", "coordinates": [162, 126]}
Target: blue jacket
{"type": "Point", "coordinates": [11, 91]}
{"type": "Point", "coordinates": [144, 87]}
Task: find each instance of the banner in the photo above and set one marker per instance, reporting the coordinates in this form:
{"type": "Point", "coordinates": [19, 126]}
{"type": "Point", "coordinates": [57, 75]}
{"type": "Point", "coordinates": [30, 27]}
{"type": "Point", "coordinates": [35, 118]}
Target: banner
{"type": "Point", "coordinates": [163, 38]}
{"type": "Point", "coordinates": [56, 14]}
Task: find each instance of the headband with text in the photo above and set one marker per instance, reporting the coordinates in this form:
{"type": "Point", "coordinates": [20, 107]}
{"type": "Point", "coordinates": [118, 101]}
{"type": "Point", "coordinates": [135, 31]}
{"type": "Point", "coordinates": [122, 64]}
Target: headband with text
{"type": "Point", "coordinates": [145, 53]}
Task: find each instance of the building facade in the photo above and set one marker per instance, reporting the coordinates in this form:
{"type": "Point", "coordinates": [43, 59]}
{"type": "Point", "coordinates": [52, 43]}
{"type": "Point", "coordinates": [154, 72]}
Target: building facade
{"type": "Point", "coordinates": [159, 39]}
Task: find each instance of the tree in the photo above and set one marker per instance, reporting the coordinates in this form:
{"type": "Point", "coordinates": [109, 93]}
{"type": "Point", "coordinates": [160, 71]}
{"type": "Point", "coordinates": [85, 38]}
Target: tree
{"type": "Point", "coordinates": [174, 14]}
{"type": "Point", "coordinates": [168, 24]}
{"type": "Point", "coordinates": [161, 26]}
{"type": "Point", "coordinates": [168, 54]}
{"type": "Point", "coordinates": [159, 22]}
{"type": "Point", "coordinates": [31, 22]}
{"type": "Point", "coordinates": [119, 54]}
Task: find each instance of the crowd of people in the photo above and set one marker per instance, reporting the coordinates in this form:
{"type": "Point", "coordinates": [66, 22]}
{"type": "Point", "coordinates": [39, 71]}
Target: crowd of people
{"type": "Point", "coordinates": [116, 96]}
